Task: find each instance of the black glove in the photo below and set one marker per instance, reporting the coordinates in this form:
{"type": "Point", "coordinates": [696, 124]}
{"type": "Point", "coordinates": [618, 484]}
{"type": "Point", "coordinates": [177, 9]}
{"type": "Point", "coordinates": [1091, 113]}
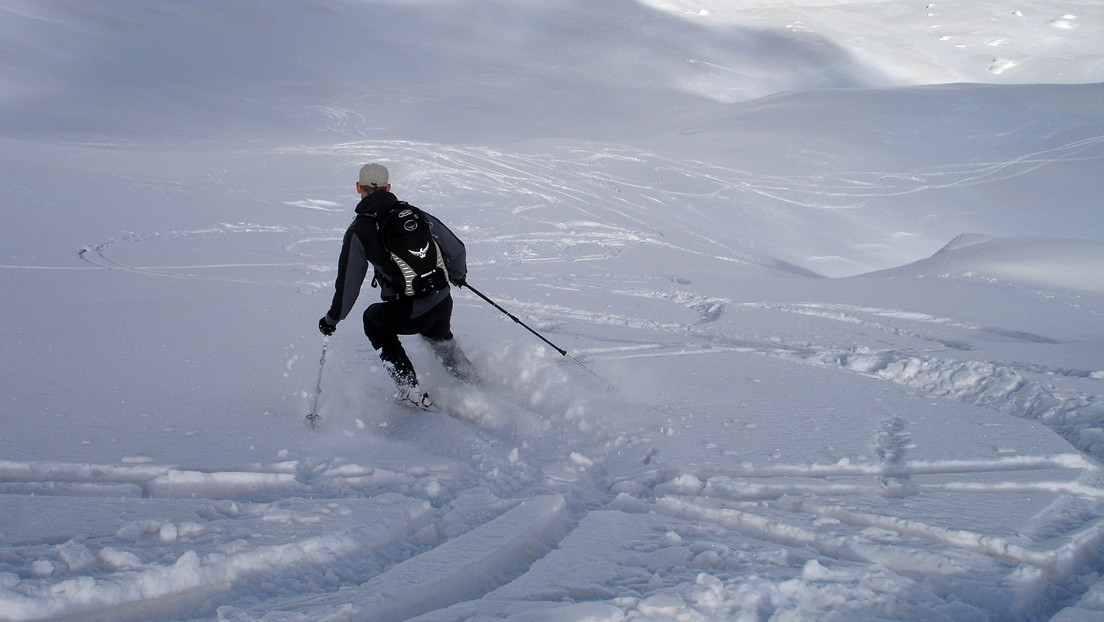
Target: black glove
{"type": "Point", "coordinates": [325, 327]}
{"type": "Point", "coordinates": [459, 282]}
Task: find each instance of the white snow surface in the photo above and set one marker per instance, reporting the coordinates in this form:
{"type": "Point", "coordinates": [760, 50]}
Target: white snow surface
{"type": "Point", "coordinates": [837, 267]}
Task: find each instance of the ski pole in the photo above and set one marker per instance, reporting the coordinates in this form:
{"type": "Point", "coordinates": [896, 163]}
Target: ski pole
{"type": "Point", "coordinates": [312, 418]}
{"type": "Point", "coordinates": [555, 347]}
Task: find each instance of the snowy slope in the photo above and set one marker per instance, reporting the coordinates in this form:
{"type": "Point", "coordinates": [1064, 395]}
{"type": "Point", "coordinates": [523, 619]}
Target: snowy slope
{"type": "Point", "coordinates": [1029, 262]}
{"type": "Point", "coordinates": [839, 264]}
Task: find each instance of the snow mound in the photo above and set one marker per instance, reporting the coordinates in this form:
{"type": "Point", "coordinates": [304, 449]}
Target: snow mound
{"type": "Point", "coordinates": [964, 240]}
{"type": "Point", "coordinates": [1028, 262]}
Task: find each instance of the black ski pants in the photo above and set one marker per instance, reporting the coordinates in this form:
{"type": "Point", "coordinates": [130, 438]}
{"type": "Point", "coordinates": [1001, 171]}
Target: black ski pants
{"type": "Point", "coordinates": [385, 321]}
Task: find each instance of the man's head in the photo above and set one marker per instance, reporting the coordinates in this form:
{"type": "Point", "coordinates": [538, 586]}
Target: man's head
{"type": "Point", "coordinates": [373, 177]}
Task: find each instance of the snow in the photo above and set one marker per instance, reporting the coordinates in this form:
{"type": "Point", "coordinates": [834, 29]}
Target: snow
{"type": "Point", "coordinates": [837, 265]}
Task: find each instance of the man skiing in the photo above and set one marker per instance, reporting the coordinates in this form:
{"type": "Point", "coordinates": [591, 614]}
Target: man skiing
{"type": "Point", "coordinates": [412, 304]}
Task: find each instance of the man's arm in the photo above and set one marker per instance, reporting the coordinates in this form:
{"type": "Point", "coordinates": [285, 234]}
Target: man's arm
{"type": "Point", "coordinates": [456, 256]}
{"type": "Point", "coordinates": [352, 267]}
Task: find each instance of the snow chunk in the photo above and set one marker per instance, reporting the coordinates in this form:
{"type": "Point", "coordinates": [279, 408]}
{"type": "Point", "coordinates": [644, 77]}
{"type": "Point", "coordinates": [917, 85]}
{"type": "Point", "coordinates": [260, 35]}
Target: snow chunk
{"type": "Point", "coordinates": [580, 460]}
{"type": "Point", "coordinates": [168, 533]}
{"type": "Point", "coordinates": [114, 559]}
{"type": "Point", "coordinates": [670, 606]}
{"type": "Point", "coordinates": [42, 568]}
{"type": "Point", "coordinates": [76, 556]}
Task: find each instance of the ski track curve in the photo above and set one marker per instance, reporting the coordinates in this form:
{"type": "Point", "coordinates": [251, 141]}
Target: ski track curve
{"type": "Point", "coordinates": [378, 528]}
{"type": "Point", "coordinates": [580, 202]}
{"type": "Point", "coordinates": [229, 536]}
{"type": "Point", "coordinates": [747, 501]}
{"type": "Point", "coordinates": [217, 540]}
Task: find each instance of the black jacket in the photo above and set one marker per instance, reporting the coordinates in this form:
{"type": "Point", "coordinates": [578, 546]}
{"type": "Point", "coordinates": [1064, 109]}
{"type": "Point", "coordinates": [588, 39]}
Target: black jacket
{"type": "Point", "coordinates": [362, 247]}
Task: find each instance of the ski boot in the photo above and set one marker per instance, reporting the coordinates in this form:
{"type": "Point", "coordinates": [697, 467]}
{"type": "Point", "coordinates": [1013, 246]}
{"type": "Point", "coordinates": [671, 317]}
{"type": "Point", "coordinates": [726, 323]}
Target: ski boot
{"type": "Point", "coordinates": [412, 396]}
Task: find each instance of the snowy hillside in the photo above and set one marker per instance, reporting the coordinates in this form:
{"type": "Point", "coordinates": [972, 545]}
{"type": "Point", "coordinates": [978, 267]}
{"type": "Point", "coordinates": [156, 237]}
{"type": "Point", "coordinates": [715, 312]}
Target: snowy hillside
{"type": "Point", "coordinates": [839, 267]}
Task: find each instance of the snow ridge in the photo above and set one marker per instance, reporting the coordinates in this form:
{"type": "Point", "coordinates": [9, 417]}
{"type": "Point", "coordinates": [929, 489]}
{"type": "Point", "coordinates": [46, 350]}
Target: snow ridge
{"type": "Point", "coordinates": [461, 569]}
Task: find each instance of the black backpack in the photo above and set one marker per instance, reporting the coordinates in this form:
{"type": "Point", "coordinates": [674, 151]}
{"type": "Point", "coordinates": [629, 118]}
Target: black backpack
{"type": "Point", "coordinates": [416, 268]}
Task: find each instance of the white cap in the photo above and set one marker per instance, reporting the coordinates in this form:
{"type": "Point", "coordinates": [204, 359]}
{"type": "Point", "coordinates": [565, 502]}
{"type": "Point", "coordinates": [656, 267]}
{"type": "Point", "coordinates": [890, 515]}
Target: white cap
{"type": "Point", "coordinates": [373, 176]}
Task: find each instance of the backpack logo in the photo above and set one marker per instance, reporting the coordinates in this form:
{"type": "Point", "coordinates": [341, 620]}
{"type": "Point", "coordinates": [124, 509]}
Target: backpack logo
{"type": "Point", "coordinates": [420, 254]}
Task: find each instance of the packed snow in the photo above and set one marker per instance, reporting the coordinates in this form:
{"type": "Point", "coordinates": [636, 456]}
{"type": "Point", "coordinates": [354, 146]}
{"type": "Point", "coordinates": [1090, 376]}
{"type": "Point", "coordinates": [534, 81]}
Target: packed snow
{"type": "Point", "coordinates": [837, 267]}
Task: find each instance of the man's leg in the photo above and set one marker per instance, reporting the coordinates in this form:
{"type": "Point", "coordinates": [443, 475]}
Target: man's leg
{"type": "Point", "coordinates": [454, 360]}
{"type": "Point", "coordinates": [438, 332]}
{"type": "Point", "coordinates": [383, 323]}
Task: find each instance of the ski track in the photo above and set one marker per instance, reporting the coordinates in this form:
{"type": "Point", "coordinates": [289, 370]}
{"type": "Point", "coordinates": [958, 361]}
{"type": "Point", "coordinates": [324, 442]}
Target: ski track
{"type": "Point", "coordinates": [383, 536]}
{"type": "Point", "coordinates": [584, 195]}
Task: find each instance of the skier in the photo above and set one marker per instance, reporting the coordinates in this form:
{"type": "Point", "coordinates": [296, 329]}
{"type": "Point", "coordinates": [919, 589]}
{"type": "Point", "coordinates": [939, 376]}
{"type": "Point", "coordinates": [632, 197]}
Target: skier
{"type": "Point", "coordinates": [402, 311]}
